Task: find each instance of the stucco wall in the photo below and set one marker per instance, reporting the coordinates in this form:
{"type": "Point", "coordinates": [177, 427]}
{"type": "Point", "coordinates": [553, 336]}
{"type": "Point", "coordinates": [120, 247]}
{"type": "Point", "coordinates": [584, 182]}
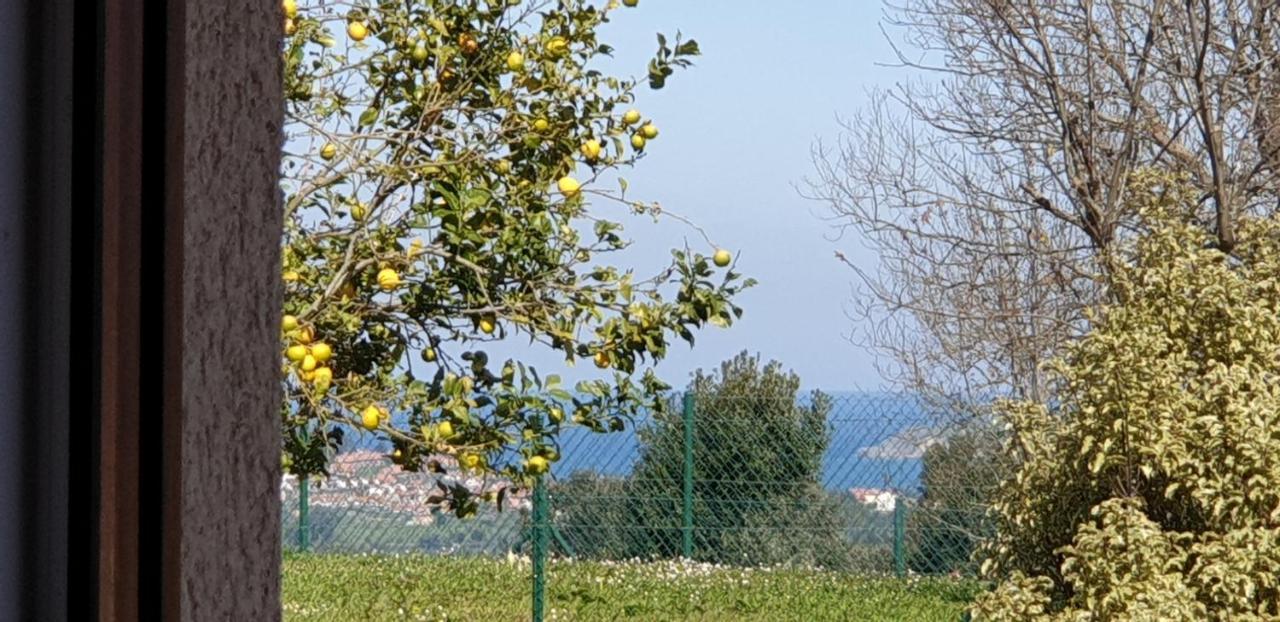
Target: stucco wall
{"type": "Point", "coordinates": [230, 145]}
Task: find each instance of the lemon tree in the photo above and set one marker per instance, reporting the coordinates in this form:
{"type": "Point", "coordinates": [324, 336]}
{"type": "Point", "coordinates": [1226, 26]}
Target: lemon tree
{"type": "Point", "coordinates": [450, 180]}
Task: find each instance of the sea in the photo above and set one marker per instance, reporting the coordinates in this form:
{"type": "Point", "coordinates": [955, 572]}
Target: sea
{"type": "Point", "coordinates": [877, 441]}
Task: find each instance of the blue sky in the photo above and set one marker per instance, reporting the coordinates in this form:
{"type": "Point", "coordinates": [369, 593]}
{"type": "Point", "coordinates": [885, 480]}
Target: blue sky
{"type": "Point", "coordinates": [736, 134]}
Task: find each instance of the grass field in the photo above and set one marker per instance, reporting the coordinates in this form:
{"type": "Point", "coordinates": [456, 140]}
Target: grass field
{"type": "Point", "coordinates": [367, 587]}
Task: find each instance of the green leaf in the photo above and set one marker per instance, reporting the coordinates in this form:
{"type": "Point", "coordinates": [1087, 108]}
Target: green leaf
{"type": "Point", "coordinates": [624, 288]}
{"type": "Point", "coordinates": [295, 56]}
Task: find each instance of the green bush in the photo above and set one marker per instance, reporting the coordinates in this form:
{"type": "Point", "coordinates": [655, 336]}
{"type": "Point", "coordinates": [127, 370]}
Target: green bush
{"type": "Point", "coordinates": [804, 530]}
{"type": "Point", "coordinates": [600, 518]}
{"type": "Point", "coordinates": [758, 452]}
{"type": "Point", "coordinates": [1151, 489]}
{"type": "Point", "coordinates": [958, 480]}
{"type": "Point", "coordinates": [591, 513]}
{"type": "Point", "coordinates": [757, 499]}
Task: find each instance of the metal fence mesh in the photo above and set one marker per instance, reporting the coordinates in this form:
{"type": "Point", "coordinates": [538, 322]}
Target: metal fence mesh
{"type": "Point", "coordinates": [851, 482]}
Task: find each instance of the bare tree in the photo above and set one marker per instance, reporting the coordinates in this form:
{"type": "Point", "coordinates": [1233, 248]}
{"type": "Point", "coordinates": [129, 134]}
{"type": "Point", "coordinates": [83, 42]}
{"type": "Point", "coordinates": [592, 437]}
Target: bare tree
{"type": "Point", "coordinates": [992, 186]}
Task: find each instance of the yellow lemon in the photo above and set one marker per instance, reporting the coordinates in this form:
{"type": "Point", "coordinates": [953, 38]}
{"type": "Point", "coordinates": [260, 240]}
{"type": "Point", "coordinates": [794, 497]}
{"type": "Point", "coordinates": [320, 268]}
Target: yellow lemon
{"type": "Point", "coordinates": [321, 351]}
{"type": "Point", "coordinates": [289, 26]}
{"type": "Point", "coordinates": [308, 362]}
{"type": "Point", "coordinates": [468, 44]}
{"type": "Point", "coordinates": [541, 125]}
{"type": "Point", "coordinates": [487, 325]}
{"type": "Point", "coordinates": [288, 323]}
{"type": "Point", "coordinates": [631, 117]}
{"type": "Point", "coordinates": [370, 417]}
{"type": "Point", "coordinates": [291, 276]}
{"type": "Point", "coordinates": [591, 149]}
{"type": "Point", "coordinates": [296, 353]}
{"type": "Point", "coordinates": [388, 279]}
{"type": "Point", "coordinates": [469, 460]}
{"type": "Point", "coordinates": [602, 360]}
{"type": "Point", "coordinates": [304, 335]}
{"type": "Point", "coordinates": [637, 142]}
{"type": "Point", "coordinates": [536, 465]}
{"type": "Point", "coordinates": [556, 415]}
{"type": "Point", "coordinates": [420, 52]}
{"type": "Point", "coordinates": [328, 151]}
{"type": "Point", "coordinates": [323, 377]}
{"type": "Point", "coordinates": [429, 355]}
{"type": "Point", "coordinates": [649, 131]}
{"type": "Point", "coordinates": [722, 258]}
{"type": "Point", "coordinates": [515, 61]}
{"type": "Point", "coordinates": [569, 186]}
{"type": "Point", "coordinates": [357, 31]}
{"type": "Point", "coordinates": [290, 8]}
{"type": "Point", "coordinates": [557, 46]}
{"type": "Point", "coordinates": [445, 429]}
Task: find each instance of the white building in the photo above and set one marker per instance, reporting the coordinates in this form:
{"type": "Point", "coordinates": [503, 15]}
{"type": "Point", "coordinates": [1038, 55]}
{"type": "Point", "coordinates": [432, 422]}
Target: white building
{"type": "Point", "coordinates": [881, 500]}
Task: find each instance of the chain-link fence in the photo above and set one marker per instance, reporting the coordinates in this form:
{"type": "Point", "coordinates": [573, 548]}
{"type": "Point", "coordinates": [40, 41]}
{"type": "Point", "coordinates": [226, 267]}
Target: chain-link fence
{"type": "Point", "coordinates": [369, 505]}
{"type": "Point", "coordinates": [866, 483]}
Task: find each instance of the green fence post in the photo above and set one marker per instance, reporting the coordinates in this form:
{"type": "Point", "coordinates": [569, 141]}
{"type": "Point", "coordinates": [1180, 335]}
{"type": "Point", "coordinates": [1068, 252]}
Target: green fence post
{"type": "Point", "coordinates": [899, 536]}
{"type": "Point", "coordinates": [686, 529]}
{"type": "Point", "coordinates": [304, 511]}
{"type": "Point", "coordinates": [539, 549]}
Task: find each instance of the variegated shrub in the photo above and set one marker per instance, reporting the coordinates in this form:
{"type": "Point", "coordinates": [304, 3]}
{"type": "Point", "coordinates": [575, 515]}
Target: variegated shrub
{"type": "Point", "coordinates": [1150, 489]}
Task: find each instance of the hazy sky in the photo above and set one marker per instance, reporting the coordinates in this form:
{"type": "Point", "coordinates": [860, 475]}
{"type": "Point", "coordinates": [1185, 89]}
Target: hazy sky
{"type": "Point", "coordinates": [736, 134]}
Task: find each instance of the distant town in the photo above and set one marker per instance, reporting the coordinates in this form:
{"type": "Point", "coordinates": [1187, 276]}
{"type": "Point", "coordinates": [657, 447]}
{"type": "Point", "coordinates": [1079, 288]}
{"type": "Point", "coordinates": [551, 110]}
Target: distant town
{"type": "Point", "coordinates": [369, 481]}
